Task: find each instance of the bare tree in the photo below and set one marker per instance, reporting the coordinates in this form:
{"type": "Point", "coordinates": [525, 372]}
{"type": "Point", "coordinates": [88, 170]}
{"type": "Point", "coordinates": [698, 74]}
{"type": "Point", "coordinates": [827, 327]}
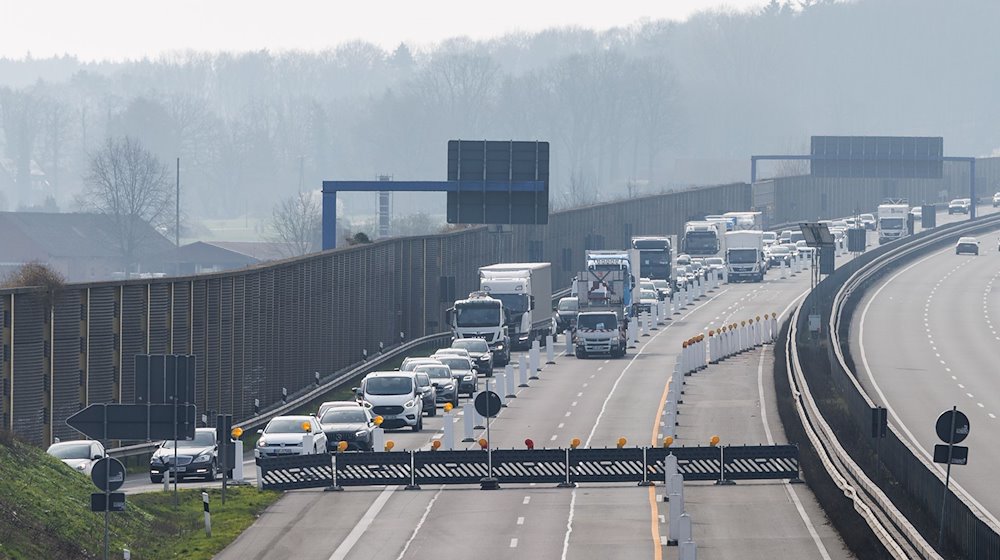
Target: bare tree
{"type": "Point", "coordinates": [297, 222]}
{"type": "Point", "coordinates": [132, 187]}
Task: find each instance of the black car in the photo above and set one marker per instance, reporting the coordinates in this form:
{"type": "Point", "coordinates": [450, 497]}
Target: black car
{"type": "Point", "coordinates": [198, 457]}
{"type": "Point", "coordinates": [479, 352]}
{"type": "Point", "coordinates": [445, 386]}
{"type": "Point", "coordinates": [352, 424]}
{"type": "Point", "coordinates": [566, 312]}
{"type": "Point", "coordinates": [462, 373]}
{"type": "Point", "coordinates": [428, 392]}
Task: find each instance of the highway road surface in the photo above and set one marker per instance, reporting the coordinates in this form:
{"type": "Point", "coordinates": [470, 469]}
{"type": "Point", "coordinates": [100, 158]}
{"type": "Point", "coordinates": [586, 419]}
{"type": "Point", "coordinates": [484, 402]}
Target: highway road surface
{"type": "Point", "coordinates": [598, 401]}
{"type": "Point", "coordinates": [926, 338]}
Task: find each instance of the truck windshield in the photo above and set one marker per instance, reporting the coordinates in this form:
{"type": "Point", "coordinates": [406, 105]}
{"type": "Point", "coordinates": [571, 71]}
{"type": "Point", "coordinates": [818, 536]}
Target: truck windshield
{"type": "Point", "coordinates": [598, 322]}
{"type": "Point", "coordinates": [701, 243]}
{"type": "Point", "coordinates": [477, 315]}
{"type": "Point", "coordinates": [892, 223]}
{"type": "Point", "coordinates": [742, 256]}
{"type": "Point", "coordinates": [515, 303]}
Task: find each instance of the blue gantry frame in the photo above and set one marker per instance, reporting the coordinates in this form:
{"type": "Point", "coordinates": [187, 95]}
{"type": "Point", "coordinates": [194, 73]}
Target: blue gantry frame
{"type": "Point", "coordinates": [331, 188]}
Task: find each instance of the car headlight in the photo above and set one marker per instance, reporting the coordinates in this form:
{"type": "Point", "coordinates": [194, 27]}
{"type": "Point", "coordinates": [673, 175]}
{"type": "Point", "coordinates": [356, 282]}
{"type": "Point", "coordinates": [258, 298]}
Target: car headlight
{"type": "Point", "coordinates": [81, 468]}
{"type": "Point", "coordinates": [204, 457]}
{"type": "Point", "coordinates": [499, 346]}
{"type": "Point", "coordinates": [361, 434]}
{"type": "Point", "coordinates": [483, 358]}
{"type": "Point", "coordinates": [261, 443]}
{"type": "Point", "coordinates": [469, 377]}
{"type": "Point", "coordinates": [410, 404]}
{"type": "Point", "coordinates": [448, 386]}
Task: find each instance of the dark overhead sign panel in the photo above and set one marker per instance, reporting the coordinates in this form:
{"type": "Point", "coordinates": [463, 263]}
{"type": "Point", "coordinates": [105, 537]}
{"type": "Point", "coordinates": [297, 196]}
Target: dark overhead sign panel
{"type": "Point", "coordinates": [898, 157]}
{"type": "Point", "coordinates": [497, 182]}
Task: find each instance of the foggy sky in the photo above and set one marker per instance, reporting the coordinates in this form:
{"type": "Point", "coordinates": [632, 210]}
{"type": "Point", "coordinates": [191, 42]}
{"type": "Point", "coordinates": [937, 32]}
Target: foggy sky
{"type": "Point", "coordinates": [125, 29]}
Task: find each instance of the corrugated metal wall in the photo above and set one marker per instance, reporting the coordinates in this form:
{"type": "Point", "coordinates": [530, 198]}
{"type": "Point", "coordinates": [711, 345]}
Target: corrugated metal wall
{"type": "Point", "coordinates": [259, 330]}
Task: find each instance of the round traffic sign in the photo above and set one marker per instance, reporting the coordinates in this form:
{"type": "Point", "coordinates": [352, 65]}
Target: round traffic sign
{"type": "Point", "coordinates": [108, 471]}
{"type": "Point", "coordinates": [488, 404]}
{"type": "Point", "coordinates": [944, 424]}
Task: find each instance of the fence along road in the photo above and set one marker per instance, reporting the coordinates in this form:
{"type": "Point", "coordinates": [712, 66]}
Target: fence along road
{"type": "Point", "coordinates": [600, 400]}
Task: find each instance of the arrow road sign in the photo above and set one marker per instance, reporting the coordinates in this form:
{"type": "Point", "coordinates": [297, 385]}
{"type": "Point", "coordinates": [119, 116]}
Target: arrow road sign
{"type": "Point", "coordinates": [108, 472]}
{"type": "Point", "coordinates": [144, 422]}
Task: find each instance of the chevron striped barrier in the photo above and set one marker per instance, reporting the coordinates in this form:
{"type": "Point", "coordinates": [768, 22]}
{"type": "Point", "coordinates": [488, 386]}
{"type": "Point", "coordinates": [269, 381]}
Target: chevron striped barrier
{"type": "Point", "coordinates": [565, 467]}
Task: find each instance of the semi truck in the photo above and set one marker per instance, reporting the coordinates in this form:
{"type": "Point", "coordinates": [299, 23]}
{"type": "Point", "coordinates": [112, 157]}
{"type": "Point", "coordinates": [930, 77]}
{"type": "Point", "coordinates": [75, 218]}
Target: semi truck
{"type": "Point", "coordinates": [745, 256]}
{"type": "Point", "coordinates": [891, 222]}
{"type": "Point", "coordinates": [651, 256]}
{"type": "Point", "coordinates": [746, 221]}
{"type": "Point", "coordinates": [525, 289]}
{"type": "Point", "coordinates": [482, 316]}
{"type": "Point", "coordinates": [704, 239]}
{"type": "Point", "coordinates": [601, 263]}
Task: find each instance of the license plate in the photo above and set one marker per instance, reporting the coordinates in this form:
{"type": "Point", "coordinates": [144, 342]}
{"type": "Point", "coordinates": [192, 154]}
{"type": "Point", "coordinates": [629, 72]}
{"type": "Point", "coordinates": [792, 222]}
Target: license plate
{"type": "Point", "coordinates": [178, 469]}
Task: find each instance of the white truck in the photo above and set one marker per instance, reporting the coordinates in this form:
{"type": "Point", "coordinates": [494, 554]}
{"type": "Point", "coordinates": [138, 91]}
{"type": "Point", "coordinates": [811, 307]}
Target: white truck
{"type": "Point", "coordinates": [891, 222]}
{"type": "Point", "coordinates": [745, 255]}
{"type": "Point", "coordinates": [747, 221]}
{"type": "Point", "coordinates": [704, 239]}
{"type": "Point", "coordinates": [482, 316]}
{"type": "Point", "coordinates": [525, 289]}
{"type": "Point", "coordinates": [651, 256]}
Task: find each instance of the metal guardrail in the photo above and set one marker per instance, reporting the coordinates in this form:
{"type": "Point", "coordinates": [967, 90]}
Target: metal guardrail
{"type": "Point", "coordinates": [565, 467]}
{"type": "Point", "coordinates": [892, 528]}
{"type": "Point", "coordinates": [325, 386]}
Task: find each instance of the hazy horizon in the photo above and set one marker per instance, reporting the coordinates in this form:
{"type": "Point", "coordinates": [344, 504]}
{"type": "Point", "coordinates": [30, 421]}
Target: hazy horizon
{"type": "Point", "coordinates": [108, 33]}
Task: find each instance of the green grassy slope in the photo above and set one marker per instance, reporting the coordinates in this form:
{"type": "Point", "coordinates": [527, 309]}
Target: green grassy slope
{"type": "Point", "coordinates": [45, 513]}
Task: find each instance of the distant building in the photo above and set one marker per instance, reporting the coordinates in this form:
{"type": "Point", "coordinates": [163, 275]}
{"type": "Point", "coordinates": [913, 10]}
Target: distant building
{"type": "Point", "coordinates": [215, 256]}
{"type": "Point", "coordinates": [82, 247]}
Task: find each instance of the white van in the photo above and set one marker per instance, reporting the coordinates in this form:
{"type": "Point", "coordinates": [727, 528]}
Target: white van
{"type": "Point", "coordinates": [395, 397]}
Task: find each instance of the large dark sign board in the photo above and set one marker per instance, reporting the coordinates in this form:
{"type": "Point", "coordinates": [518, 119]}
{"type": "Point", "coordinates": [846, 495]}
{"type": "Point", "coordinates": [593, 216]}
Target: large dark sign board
{"type": "Point", "coordinates": [877, 156]}
{"type": "Point", "coordinates": [163, 379]}
{"type": "Point", "coordinates": [140, 422]}
{"type": "Point", "coordinates": [481, 162]}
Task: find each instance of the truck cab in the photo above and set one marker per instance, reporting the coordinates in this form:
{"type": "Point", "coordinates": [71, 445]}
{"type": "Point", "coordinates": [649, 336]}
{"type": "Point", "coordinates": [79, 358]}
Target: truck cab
{"type": "Point", "coordinates": [891, 222]}
{"type": "Point", "coordinates": [601, 333]}
{"type": "Point", "coordinates": [745, 255]}
{"type": "Point", "coordinates": [482, 316]}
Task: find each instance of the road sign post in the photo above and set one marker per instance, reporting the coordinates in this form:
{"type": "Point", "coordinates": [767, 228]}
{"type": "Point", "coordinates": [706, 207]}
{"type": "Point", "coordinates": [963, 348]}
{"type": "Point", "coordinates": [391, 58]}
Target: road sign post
{"type": "Point", "coordinates": [488, 404]}
{"type": "Point", "coordinates": [108, 474]}
{"type": "Point", "coordinates": [952, 427]}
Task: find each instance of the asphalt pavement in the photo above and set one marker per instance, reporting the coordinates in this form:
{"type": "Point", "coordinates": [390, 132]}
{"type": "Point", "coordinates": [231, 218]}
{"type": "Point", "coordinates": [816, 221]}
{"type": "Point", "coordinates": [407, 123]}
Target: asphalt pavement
{"type": "Point", "coordinates": [598, 401]}
{"type": "Point", "coordinates": [926, 339]}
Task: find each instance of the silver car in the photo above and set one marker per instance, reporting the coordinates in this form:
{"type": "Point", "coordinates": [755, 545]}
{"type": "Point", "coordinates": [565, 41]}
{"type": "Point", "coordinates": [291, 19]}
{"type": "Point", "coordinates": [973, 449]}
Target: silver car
{"type": "Point", "coordinates": [479, 351]}
{"type": "Point", "coordinates": [80, 454]}
{"type": "Point", "coordinates": [443, 381]}
{"type": "Point", "coordinates": [462, 372]}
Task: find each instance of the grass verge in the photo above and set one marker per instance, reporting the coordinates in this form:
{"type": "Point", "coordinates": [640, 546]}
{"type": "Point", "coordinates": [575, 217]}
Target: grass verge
{"type": "Point", "coordinates": [45, 513]}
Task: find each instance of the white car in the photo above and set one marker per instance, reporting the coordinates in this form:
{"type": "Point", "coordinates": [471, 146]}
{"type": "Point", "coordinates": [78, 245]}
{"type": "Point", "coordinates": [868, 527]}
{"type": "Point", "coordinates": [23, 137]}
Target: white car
{"type": "Point", "coordinates": [770, 238]}
{"type": "Point", "coordinates": [80, 454]}
{"type": "Point", "coordinates": [967, 245]}
{"type": "Point", "coordinates": [959, 206]}
{"type": "Point", "coordinates": [867, 221]}
{"type": "Point", "coordinates": [996, 199]}
{"type": "Point", "coordinates": [395, 397]}
{"type": "Point", "coordinates": [291, 435]}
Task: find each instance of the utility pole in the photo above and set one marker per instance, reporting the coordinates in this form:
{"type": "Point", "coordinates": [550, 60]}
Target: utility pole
{"type": "Point", "coordinates": [177, 207]}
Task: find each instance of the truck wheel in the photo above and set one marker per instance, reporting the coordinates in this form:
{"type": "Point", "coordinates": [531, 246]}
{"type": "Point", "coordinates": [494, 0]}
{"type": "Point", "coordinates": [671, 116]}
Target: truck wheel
{"type": "Point", "coordinates": [581, 354]}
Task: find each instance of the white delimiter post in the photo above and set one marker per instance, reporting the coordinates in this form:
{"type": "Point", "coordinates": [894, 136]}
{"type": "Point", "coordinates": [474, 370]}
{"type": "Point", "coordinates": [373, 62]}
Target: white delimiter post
{"type": "Point", "coordinates": [448, 437]}
{"type": "Point", "coordinates": [550, 349]}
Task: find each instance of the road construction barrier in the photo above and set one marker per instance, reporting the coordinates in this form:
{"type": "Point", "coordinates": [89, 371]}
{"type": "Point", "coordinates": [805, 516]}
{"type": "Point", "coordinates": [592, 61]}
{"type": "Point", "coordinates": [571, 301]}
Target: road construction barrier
{"type": "Point", "coordinates": [574, 465]}
{"type": "Point", "coordinates": [550, 349]}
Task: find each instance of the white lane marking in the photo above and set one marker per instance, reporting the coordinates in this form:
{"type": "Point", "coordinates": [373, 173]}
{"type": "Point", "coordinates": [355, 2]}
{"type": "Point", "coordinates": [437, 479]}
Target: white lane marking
{"type": "Point", "coordinates": [580, 394]}
{"type": "Point", "coordinates": [363, 524]}
{"type": "Point", "coordinates": [585, 385]}
{"type": "Point", "coordinates": [663, 540]}
{"type": "Point", "coordinates": [520, 521]}
{"type": "Point", "coordinates": [599, 369]}
{"type": "Point", "coordinates": [881, 394]}
{"type": "Point", "coordinates": [969, 394]}
{"type": "Point", "coordinates": [527, 499]}
{"type": "Point", "coordinates": [605, 361]}
{"type": "Point", "coordinates": [561, 424]}
{"type": "Point", "coordinates": [604, 406]}
{"type": "Point", "coordinates": [420, 523]}
{"type": "Point", "coordinates": [991, 415]}
{"type": "Point", "coordinates": [573, 404]}
{"type": "Point", "coordinates": [553, 438]}
{"type": "Point", "coordinates": [960, 386]}
{"type": "Point", "coordinates": [979, 404]}
{"type": "Point", "coordinates": [567, 413]}
{"type": "Point", "coordinates": [770, 441]}
{"type": "Point", "coordinates": [663, 518]}
{"type": "Point", "coordinates": [513, 541]}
